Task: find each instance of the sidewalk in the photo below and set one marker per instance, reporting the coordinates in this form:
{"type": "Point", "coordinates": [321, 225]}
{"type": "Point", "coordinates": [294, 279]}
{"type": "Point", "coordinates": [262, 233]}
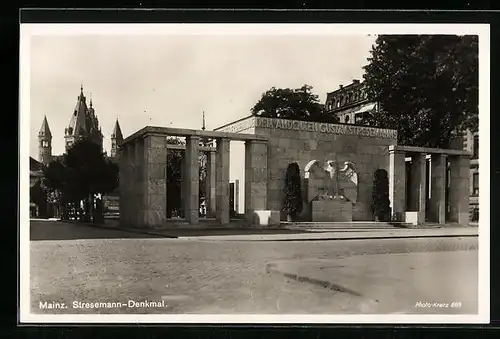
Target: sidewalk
{"type": "Point", "coordinates": [345, 234]}
{"type": "Point", "coordinates": [422, 283]}
{"type": "Point", "coordinates": [239, 233]}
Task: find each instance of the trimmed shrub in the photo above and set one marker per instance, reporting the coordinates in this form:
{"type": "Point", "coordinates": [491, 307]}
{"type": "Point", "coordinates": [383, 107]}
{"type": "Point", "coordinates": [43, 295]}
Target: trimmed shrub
{"type": "Point", "coordinates": [380, 195]}
{"type": "Point", "coordinates": [292, 202]}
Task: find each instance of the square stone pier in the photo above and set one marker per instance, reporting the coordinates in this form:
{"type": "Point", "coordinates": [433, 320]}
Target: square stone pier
{"type": "Point", "coordinates": [143, 175]}
{"type": "Point", "coordinates": [444, 163]}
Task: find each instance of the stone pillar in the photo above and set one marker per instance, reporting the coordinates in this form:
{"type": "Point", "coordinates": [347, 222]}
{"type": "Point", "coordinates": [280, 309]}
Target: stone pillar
{"type": "Point", "coordinates": [124, 185]}
{"type": "Point", "coordinates": [438, 188]}
{"type": "Point", "coordinates": [191, 180]}
{"type": "Point", "coordinates": [210, 185]}
{"type": "Point", "coordinates": [237, 196]}
{"type": "Point", "coordinates": [417, 186]}
{"type": "Point", "coordinates": [155, 180]}
{"type": "Point", "coordinates": [222, 181]}
{"type": "Point", "coordinates": [138, 204]}
{"type": "Point", "coordinates": [255, 178]}
{"type": "Point", "coordinates": [459, 189]}
{"type": "Point", "coordinates": [397, 184]}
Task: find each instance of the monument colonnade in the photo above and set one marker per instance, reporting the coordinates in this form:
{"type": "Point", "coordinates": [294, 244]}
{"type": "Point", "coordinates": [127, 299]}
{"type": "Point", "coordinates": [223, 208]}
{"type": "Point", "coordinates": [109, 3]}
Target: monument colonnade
{"type": "Point", "coordinates": [414, 210]}
{"type": "Point", "coordinates": [143, 175]}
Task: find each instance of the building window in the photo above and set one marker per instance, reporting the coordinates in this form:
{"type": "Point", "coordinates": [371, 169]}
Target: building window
{"type": "Point", "coordinates": [475, 147]}
{"type": "Point", "coordinates": [45, 143]}
{"type": "Point", "coordinates": [329, 105]}
{"type": "Point", "coordinates": [475, 184]}
{"type": "Point", "coordinates": [346, 119]}
{"type": "Point", "coordinates": [358, 118]}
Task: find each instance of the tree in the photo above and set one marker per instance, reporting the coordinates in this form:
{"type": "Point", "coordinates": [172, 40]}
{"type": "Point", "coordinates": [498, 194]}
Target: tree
{"type": "Point", "coordinates": [380, 195]}
{"type": "Point", "coordinates": [292, 203]}
{"type": "Point", "coordinates": [84, 172]}
{"type": "Point", "coordinates": [426, 85]}
{"type": "Point", "coordinates": [38, 195]}
{"type": "Point", "coordinates": [297, 104]}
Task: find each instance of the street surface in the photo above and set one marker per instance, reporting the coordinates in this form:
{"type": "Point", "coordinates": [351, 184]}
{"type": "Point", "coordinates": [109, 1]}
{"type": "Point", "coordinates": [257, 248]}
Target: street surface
{"type": "Point", "coordinates": [74, 265]}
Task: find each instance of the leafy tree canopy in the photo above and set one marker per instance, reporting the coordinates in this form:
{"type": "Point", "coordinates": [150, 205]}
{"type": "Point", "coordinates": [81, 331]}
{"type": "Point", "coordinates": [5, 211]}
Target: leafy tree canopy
{"type": "Point", "coordinates": [297, 104]}
{"type": "Point", "coordinates": [427, 86]}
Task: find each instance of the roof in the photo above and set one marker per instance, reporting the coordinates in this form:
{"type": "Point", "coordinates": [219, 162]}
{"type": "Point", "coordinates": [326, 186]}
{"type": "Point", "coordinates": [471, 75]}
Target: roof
{"type": "Point", "coordinates": [77, 123]}
{"type": "Point", "coordinates": [45, 130]}
{"type": "Point", "coordinates": [35, 165]}
{"type": "Point", "coordinates": [117, 131]}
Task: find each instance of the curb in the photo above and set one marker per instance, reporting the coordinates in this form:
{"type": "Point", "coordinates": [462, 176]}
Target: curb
{"type": "Point", "coordinates": [346, 238]}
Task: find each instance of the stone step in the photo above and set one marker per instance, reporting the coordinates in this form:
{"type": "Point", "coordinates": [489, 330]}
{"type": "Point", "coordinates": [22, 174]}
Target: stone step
{"type": "Point", "coordinates": [344, 225]}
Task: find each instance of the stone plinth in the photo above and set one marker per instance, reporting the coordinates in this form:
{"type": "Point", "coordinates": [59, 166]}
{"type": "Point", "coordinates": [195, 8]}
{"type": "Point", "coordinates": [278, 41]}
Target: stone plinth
{"type": "Point", "coordinates": [191, 180]}
{"type": "Point", "coordinates": [437, 207]}
{"type": "Point", "coordinates": [222, 181]}
{"type": "Point", "coordinates": [255, 178]}
{"type": "Point", "coordinates": [331, 210]}
{"type": "Point", "coordinates": [459, 189]}
{"type": "Point", "coordinates": [266, 218]}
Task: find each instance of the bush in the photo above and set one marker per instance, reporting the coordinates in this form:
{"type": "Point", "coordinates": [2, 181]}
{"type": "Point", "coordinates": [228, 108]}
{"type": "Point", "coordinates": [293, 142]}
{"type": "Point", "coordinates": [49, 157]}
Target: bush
{"type": "Point", "coordinates": [292, 203]}
{"type": "Point", "coordinates": [380, 195]}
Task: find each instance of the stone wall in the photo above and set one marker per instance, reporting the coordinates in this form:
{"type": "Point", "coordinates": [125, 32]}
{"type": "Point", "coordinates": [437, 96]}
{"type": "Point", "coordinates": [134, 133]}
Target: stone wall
{"type": "Point", "coordinates": [295, 141]}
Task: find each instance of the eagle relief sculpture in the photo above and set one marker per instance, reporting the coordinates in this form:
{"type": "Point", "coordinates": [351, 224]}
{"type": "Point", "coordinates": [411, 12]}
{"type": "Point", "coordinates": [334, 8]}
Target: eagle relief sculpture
{"type": "Point", "coordinates": [333, 180]}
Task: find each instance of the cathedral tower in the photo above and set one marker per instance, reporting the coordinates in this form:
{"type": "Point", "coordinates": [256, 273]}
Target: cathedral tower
{"type": "Point", "coordinates": [45, 143]}
{"type": "Point", "coordinates": [83, 123]}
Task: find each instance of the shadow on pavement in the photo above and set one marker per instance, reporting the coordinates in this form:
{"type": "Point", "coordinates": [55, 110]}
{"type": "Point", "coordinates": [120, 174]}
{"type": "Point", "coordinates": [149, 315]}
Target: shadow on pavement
{"type": "Point", "coordinates": [57, 230]}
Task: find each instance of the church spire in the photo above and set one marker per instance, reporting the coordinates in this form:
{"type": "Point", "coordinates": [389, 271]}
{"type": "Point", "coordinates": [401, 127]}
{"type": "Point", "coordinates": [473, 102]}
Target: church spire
{"type": "Point", "coordinates": [45, 130]}
{"type": "Point", "coordinates": [203, 126]}
{"type": "Point", "coordinates": [90, 100]}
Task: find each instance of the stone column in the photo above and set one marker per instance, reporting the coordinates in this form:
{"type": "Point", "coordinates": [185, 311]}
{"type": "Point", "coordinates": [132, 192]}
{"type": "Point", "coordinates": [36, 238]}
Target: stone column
{"type": "Point", "coordinates": [438, 188]}
{"type": "Point", "coordinates": [255, 178]}
{"type": "Point", "coordinates": [155, 180]}
{"type": "Point", "coordinates": [397, 184]}
{"type": "Point", "coordinates": [138, 205]}
{"type": "Point", "coordinates": [210, 185]}
{"type": "Point", "coordinates": [417, 186]}
{"type": "Point", "coordinates": [124, 185]}
{"type": "Point", "coordinates": [237, 196]}
{"type": "Point", "coordinates": [191, 180]}
{"type": "Point", "coordinates": [222, 181]}
{"type": "Point", "coordinates": [459, 189]}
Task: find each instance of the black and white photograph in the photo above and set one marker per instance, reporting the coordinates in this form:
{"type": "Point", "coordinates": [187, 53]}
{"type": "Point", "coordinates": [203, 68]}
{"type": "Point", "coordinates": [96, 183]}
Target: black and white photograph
{"type": "Point", "coordinates": [254, 173]}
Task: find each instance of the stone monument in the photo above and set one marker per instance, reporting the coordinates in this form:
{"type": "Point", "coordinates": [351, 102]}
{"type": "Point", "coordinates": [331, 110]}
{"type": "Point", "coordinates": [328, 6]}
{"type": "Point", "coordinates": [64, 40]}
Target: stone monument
{"type": "Point", "coordinates": [332, 190]}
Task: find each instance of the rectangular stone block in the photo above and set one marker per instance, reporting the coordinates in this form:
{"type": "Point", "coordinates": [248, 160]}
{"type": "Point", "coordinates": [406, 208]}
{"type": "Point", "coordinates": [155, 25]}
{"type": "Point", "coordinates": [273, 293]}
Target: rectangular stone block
{"type": "Point", "coordinates": [331, 211]}
{"type": "Point", "coordinates": [156, 155]}
{"type": "Point", "coordinates": [156, 171]}
{"type": "Point", "coordinates": [266, 218]}
{"type": "Point", "coordinates": [155, 218]}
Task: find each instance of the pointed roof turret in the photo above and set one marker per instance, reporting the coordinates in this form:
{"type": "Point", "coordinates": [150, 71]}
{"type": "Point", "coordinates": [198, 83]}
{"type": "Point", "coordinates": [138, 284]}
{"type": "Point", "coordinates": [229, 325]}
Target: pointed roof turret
{"type": "Point", "coordinates": [117, 132]}
{"type": "Point", "coordinates": [45, 130]}
{"type": "Point", "coordinates": [77, 124]}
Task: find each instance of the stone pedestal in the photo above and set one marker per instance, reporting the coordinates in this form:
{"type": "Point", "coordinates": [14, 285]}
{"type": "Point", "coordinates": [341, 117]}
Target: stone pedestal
{"type": "Point", "coordinates": [459, 189]}
{"type": "Point", "coordinates": [210, 185]}
{"type": "Point", "coordinates": [191, 180]}
{"type": "Point", "coordinates": [397, 184]}
{"type": "Point", "coordinates": [152, 167]}
{"type": "Point", "coordinates": [266, 218]}
{"type": "Point", "coordinates": [437, 207]}
{"type": "Point", "coordinates": [331, 210]}
{"type": "Point", "coordinates": [255, 178]}
{"type": "Point", "coordinates": [222, 181]}
{"type": "Point", "coordinates": [417, 186]}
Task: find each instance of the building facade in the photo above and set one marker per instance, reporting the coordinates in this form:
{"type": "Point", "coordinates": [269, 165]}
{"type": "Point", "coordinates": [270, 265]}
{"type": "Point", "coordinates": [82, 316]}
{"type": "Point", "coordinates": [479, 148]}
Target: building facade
{"type": "Point", "coordinates": [350, 103]}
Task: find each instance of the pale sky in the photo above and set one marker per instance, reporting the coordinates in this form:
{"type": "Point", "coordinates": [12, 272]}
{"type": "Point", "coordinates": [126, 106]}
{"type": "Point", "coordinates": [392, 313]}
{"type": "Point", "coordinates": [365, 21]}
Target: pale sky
{"type": "Point", "coordinates": [169, 80]}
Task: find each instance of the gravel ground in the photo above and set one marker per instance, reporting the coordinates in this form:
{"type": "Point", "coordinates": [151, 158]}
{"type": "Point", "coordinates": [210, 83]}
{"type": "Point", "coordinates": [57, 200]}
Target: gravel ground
{"type": "Point", "coordinates": [196, 276]}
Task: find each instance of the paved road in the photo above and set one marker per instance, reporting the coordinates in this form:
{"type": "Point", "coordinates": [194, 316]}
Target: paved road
{"type": "Point", "coordinates": [194, 276]}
